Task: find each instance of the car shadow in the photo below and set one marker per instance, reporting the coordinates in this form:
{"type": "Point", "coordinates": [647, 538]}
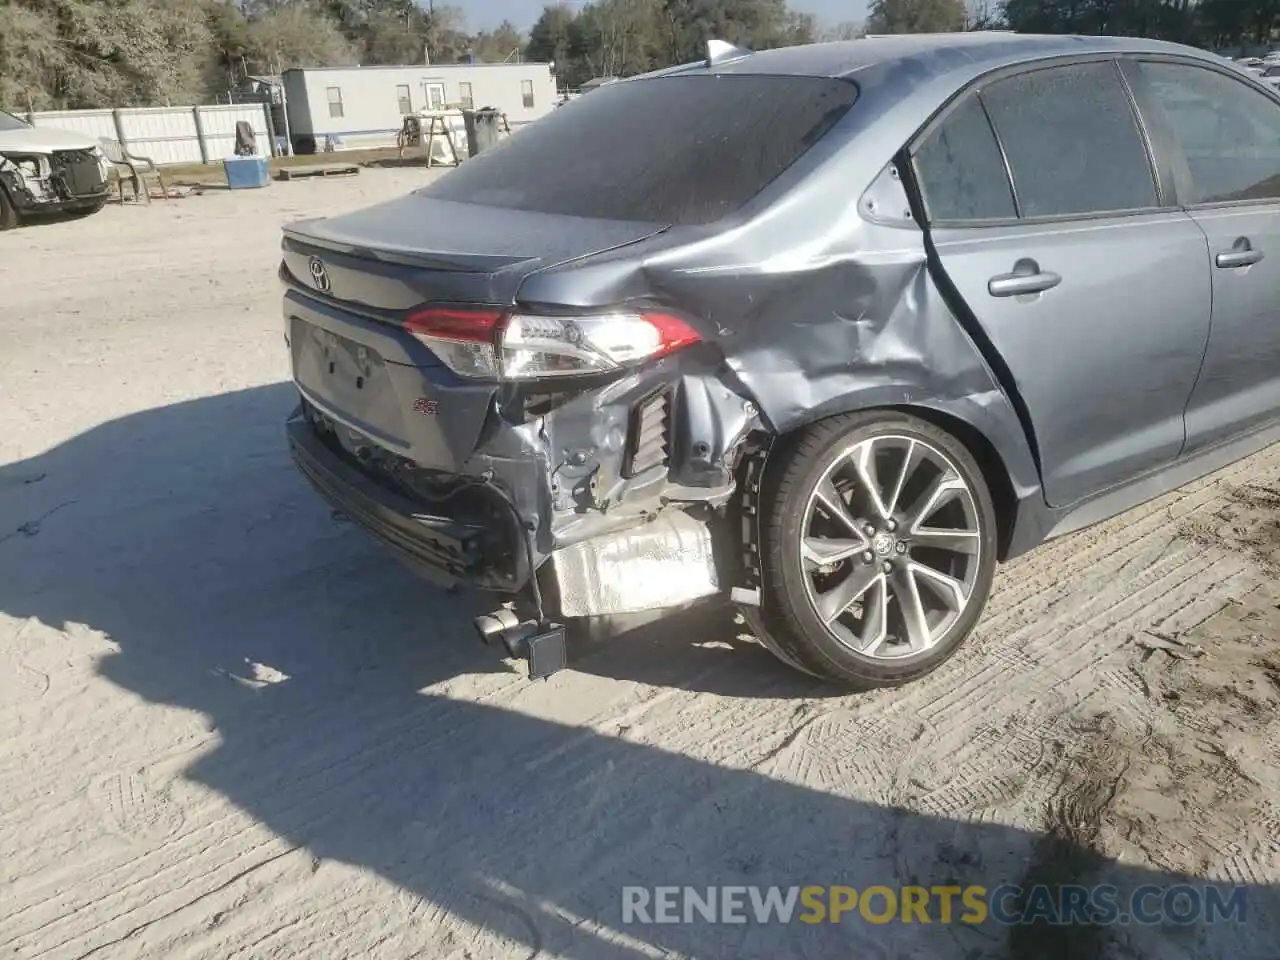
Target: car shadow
{"type": "Point", "coordinates": [185, 535]}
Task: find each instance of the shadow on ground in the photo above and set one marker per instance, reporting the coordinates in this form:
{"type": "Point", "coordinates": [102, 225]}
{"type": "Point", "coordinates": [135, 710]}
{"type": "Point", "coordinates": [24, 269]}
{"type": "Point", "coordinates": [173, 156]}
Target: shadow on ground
{"type": "Point", "coordinates": [184, 534]}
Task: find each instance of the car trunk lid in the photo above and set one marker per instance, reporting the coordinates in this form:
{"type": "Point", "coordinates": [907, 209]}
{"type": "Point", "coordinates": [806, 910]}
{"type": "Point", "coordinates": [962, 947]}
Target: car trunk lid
{"type": "Point", "coordinates": [353, 279]}
{"type": "Point", "coordinates": [396, 256]}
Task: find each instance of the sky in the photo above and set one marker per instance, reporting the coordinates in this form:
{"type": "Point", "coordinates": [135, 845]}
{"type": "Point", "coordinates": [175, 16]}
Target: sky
{"type": "Point", "coordinates": [486, 14]}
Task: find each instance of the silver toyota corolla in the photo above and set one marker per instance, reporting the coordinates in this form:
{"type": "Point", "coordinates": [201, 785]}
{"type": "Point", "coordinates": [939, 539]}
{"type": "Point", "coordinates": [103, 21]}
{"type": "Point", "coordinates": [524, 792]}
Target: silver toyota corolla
{"type": "Point", "coordinates": [825, 331]}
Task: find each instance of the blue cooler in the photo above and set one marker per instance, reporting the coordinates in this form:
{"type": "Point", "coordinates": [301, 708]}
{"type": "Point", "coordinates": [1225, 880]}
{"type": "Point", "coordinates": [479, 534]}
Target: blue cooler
{"type": "Point", "coordinates": [246, 173]}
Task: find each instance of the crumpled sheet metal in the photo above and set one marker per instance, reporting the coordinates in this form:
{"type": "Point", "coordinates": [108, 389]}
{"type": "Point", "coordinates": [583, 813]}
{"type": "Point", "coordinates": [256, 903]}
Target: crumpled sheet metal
{"type": "Point", "coordinates": [578, 490]}
{"type": "Point", "coordinates": [817, 315]}
{"type": "Point", "coordinates": [665, 563]}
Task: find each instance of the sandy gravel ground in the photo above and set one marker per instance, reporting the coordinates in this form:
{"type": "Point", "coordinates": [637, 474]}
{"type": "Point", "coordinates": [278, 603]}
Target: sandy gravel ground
{"type": "Point", "coordinates": [231, 727]}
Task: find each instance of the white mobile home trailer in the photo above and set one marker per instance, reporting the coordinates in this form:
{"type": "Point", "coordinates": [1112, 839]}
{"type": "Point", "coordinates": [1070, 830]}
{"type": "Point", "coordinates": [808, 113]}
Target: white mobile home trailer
{"type": "Point", "coordinates": [366, 106]}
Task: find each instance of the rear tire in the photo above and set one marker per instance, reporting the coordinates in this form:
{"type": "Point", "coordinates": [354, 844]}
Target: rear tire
{"type": "Point", "coordinates": [8, 213]}
{"type": "Point", "coordinates": [875, 590]}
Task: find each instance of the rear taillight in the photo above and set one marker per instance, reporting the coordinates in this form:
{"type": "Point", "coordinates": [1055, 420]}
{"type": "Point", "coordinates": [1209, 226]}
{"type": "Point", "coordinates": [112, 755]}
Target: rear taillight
{"type": "Point", "coordinates": [464, 340]}
{"type": "Point", "coordinates": [495, 345]}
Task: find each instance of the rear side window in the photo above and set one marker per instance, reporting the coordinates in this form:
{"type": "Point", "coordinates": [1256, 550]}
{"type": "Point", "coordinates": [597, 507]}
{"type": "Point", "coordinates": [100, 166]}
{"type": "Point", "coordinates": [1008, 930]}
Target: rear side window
{"type": "Point", "coordinates": [1229, 133]}
{"type": "Point", "coordinates": [1072, 141]}
{"type": "Point", "coordinates": [682, 149]}
{"type": "Point", "coordinates": [961, 171]}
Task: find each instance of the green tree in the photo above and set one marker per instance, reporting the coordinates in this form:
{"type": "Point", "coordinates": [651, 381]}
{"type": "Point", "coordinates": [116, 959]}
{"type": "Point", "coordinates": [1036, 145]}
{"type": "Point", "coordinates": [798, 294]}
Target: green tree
{"type": "Point", "coordinates": [916, 16]}
{"type": "Point", "coordinates": [754, 24]}
{"type": "Point", "coordinates": [30, 58]}
{"type": "Point", "coordinates": [498, 45]}
{"type": "Point", "coordinates": [615, 38]}
{"type": "Point", "coordinates": [83, 53]}
{"type": "Point", "coordinates": [297, 35]}
{"type": "Point", "coordinates": [846, 30]}
{"type": "Point", "coordinates": [549, 38]}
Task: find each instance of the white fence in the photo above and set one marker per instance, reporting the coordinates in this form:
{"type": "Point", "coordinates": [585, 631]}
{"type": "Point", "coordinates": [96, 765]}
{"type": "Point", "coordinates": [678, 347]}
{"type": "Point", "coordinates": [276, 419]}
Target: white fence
{"type": "Point", "coordinates": [168, 135]}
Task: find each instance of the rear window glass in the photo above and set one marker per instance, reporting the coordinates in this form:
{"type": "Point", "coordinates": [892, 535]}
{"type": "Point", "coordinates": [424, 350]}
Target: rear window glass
{"type": "Point", "coordinates": [685, 149]}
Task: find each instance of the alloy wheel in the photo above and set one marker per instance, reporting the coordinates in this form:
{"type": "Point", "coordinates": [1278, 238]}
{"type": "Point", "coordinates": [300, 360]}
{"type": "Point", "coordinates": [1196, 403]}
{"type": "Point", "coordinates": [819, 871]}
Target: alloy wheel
{"type": "Point", "coordinates": [890, 547]}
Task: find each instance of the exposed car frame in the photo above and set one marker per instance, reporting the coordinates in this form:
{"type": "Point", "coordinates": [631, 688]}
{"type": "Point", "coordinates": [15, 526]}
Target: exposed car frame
{"type": "Point", "coordinates": [48, 171]}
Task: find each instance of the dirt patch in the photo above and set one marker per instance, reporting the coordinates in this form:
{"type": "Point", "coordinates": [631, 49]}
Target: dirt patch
{"type": "Point", "coordinates": [1070, 853]}
{"type": "Point", "coordinates": [1249, 519]}
{"type": "Point", "coordinates": [1197, 781]}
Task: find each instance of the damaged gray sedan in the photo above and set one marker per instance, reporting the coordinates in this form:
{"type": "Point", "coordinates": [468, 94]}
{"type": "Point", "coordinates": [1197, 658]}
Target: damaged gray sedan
{"type": "Point", "coordinates": [825, 331]}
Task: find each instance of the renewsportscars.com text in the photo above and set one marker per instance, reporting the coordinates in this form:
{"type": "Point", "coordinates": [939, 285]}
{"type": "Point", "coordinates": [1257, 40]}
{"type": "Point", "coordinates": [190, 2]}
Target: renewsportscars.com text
{"type": "Point", "coordinates": [1006, 904]}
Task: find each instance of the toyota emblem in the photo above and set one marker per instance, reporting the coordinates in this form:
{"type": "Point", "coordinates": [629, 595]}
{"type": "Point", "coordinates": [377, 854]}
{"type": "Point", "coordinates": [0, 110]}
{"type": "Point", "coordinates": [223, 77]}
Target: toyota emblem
{"type": "Point", "coordinates": [319, 275]}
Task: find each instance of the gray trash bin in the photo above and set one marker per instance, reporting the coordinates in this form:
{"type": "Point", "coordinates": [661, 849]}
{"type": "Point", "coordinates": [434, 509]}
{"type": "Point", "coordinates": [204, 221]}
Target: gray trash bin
{"type": "Point", "coordinates": [482, 128]}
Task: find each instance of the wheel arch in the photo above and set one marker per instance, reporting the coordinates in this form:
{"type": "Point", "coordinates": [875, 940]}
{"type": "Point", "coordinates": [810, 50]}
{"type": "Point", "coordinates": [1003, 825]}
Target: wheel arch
{"type": "Point", "coordinates": [1007, 486]}
{"type": "Point", "coordinates": [994, 471]}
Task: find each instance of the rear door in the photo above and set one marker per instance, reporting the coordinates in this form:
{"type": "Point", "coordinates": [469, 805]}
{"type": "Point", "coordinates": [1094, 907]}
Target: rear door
{"type": "Point", "coordinates": [1225, 136]}
{"type": "Point", "coordinates": [1050, 223]}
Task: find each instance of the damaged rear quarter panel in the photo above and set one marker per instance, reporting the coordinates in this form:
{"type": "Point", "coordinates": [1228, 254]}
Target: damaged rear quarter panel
{"type": "Point", "coordinates": [814, 308]}
{"type": "Point", "coordinates": [579, 449]}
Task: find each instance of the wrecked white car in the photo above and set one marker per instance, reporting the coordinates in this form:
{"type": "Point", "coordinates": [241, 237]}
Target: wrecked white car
{"type": "Point", "coordinates": [48, 171]}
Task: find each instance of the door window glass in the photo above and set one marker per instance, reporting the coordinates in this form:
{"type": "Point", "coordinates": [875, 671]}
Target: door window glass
{"type": "Point", "coordinates": [1072, 140]}
{"type": "Point", "coordinates": [1229, 132]}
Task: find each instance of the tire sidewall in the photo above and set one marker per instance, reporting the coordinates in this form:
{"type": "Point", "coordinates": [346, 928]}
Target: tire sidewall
{"type": "Point", "coordinates": [8, 211]}
{"type": "Point", "coordinates": [791, 610]}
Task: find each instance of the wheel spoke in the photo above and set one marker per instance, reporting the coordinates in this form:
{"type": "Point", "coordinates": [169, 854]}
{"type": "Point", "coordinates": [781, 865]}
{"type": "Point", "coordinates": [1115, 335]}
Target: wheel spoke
{"type": "Point", "coordinates": [955, 541]}
{"type": "Point", "coordinates": [912, 459]}
{"type": "Point", "coordinates": [875, 617]}
{"type": "Point", "coordinates": [821, 551]}
{"type": "Point", "coordinates": [864, 464]}
{"type": "Point", "coordinates": [946, 588]}
{"type": "Point", "coordinates": [834, 506]}
{"type": "Point", "coordinates": [911, 608]}
{"type": "Point", "coordinates": [840, 597]}
{"type": "Point", "coordinates": [946, 488]}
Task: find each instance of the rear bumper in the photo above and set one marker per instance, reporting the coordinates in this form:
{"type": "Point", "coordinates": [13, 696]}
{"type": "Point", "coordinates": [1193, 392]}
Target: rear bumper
{"type": "Point", "coordinates": [449, 551]}
{"type": "Point", "coordinates": [614, 485]}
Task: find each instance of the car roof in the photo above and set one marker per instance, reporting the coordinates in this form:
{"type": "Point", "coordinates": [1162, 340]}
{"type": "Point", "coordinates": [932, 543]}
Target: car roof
{"type": "Point", "coordinates": [904, 79]}
{"type": "Point", "coordinates": [975, 52]}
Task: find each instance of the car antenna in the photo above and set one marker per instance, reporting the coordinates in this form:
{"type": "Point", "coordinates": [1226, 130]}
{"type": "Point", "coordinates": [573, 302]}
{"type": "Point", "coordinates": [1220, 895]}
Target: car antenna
{"type": "Point", "coordinates": [720, 51]}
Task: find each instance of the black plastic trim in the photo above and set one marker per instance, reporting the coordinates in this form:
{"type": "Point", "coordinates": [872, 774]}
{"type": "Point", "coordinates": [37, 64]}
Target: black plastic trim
{"type": "Point", "coordinates": [444, 549]}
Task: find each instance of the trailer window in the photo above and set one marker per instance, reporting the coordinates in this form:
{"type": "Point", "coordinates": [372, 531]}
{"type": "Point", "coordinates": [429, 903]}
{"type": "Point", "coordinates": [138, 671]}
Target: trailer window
{"type": "Point", "coordinates": [335, 101]}
{"type": "Point", "coordinates": [403, 99]}
{"type": "Point", "coordinates": [679, 149]}
{"type": "Point", "coordinates": [526, 91]}
{"type": "Point", "coordinates": [464, 95]}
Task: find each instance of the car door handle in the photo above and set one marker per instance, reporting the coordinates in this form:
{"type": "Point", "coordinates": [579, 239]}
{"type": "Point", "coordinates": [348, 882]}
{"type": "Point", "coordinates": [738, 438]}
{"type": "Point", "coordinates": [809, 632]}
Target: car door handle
{"type": "Point", "coordinates": [1241, 255]}
{"type": "Point", "coordinates": [1027, 277]}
